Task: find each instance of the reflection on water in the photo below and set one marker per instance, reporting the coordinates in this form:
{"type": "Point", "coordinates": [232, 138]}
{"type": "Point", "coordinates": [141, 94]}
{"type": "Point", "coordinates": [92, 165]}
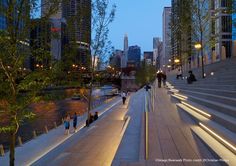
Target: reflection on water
{"type": "Point", "coordinates": [49, 112]}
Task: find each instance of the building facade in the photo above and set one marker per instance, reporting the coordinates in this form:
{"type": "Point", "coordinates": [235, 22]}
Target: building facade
{"type": "Point", "coordinates": [166, 32]}
{"type": "Point", "coordinates": [124, 58]}
{"type": "Point", "coordinates": [115, 59]}
{"type": "Point", "coordinates": [148, 57]}
{"type": "Point", "coordinates": [134, 55]}
{"type": "Point", "coordinates": [181, 33]}
{"type": "Point", "coordinates": [76, 16]}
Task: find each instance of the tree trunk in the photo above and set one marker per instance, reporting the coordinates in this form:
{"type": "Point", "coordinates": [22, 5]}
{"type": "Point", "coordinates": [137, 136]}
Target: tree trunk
{"type": "Point", "coordinates": [12, 148]}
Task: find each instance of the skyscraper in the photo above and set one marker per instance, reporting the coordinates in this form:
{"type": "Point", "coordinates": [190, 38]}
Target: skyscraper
{"type": "Point", "coordinates": [124, 58]}
{"type": "Point", "coordinates": [134, 55]}
{"type": "Point", "coordinates": [76, 14]}
{"type": "Point", "coordinates": [166, 31]}
{"type": "Point", "coordinates": [157, 51]}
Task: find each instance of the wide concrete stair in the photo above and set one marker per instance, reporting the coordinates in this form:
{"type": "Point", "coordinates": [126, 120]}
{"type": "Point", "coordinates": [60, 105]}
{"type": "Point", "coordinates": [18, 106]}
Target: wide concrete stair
{"type": "Point", "coordinates": [211, 102]}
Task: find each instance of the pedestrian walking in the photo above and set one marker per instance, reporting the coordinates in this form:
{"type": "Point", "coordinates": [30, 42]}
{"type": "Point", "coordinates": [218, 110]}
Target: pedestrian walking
{"type": "Point", "coordinates": [164, 79]}
{"type": "Point", "coordinates": [159, 78]}
{"type": "Point", "coordinates": [75, 122]}
{"type": "Point", "coordinates": [123, 95]}
{"type": "Point", "coordinates": [67, 124]}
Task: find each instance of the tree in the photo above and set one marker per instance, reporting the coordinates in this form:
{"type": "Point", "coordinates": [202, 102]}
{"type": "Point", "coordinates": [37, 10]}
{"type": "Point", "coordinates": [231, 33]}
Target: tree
{"type": "Point", "coordinates": [200, 17]}
{"type": "Point", "coordinates": [145, 74]}
{"type": "Point", "coordinates": [100, 45]}
{"type": "Point", "coordinates": [181, 30]}
{"type": "Point", "coordinates": [18, 85]}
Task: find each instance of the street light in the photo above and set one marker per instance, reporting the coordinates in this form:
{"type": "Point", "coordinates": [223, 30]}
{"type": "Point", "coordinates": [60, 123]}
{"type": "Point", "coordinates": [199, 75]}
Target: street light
{"type": "Point", "coordinates": [176, 60]}
{"type": "Point", "coordinates": [198, 47]}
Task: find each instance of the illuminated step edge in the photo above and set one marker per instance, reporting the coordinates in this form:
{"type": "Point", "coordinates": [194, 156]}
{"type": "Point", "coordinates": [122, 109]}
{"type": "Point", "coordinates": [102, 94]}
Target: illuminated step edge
{"type": "Point", "coordinates": [174, 90]}
{"type": "Point", "coordinates": [225, 154]}
{"type": "Point", "coordinates": [178, 97]}
{"type": "Point", "coordinates": [196, 109]}
{"type": "Point", "coordinates": [231, 147]}
{"type": "Point", "coordinates": [196, 115]}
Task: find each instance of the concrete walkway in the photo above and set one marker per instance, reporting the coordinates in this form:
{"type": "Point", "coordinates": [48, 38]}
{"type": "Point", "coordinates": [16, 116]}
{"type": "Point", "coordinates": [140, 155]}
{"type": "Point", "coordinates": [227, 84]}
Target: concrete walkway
{"type": "Point", "coordinates": [33, 150]}
{"type": "Point", "coordinates": [92, 146]}
{"type": "Point", "coordinates": [129, 149]}
{"type": "Point", "coordinates": [171, 141]}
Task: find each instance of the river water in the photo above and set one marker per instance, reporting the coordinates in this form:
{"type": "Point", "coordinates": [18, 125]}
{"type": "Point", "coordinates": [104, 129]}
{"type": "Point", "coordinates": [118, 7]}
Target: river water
{"type": "Point", "coordinates": [48, 113]}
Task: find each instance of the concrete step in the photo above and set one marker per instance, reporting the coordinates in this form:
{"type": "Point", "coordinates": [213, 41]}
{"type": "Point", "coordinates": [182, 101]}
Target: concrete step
{"type": "Point", "coordinates": [220, 107]}
{"type": "Point", "coordinates": [219, 130]}
{"type": "Point", "coordinates": [226, 93]}
{"type": "Point", "coordinates": [230, 101]}
{"type": "Point", "coordinates": [216, 147]}
{"type": "Point", "coordinates": [208, 86]}
{"type": "Point", "coordinates": [227, 121]}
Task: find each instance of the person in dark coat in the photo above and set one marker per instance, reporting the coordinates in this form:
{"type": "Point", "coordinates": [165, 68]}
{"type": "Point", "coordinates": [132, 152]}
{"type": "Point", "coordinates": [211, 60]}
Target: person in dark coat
{"type": "Point", "coordinates": [95, 116]}
{"type": "Point", "coordinates": [191, 77]}
{"type": "Point", "coordinates": [75, 121]}
{"type": "Point", "coordinates": [159, 78]}
{"type": "Point", "coordinates": [164, 79]}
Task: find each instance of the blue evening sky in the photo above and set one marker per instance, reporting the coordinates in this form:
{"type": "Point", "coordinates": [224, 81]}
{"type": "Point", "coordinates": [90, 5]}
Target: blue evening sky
{"type": "Point", "coordinates": [140, 19]}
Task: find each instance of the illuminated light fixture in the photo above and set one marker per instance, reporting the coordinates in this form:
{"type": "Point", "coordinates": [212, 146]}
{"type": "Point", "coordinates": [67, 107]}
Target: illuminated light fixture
{"type": "Point", "coordinates": [174, 90]}
{"type": "Point", "coordinates": [204, 74]}
{"type": "Point", "coordinates": [37, 65]}
{"type": "Point", "coordinates": [164, 65]}
{"type": "Point", "coordinates": [176, 60]}
{"type": "Point", "coordinates": [198, 46]}
{"type": "Point", "coordinates": [169, 66]}
{"type": "Point", "coordinates": [185, 97]}
{"type": "Point", "coordinates": [196, 109]}
{"type": "Point", "coordinates": [212, 73]}
{"type": "Point", "coordinates": [226, 143]}
{"type": "Point", "coordinates": [178, 97]}
{"type": "Point", "coordinates": [169, 60]}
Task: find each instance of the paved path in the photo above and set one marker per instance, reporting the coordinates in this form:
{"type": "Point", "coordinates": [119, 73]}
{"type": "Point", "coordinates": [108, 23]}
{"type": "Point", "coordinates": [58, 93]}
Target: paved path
{"type": "Point", "coordinates": [170, 136]}
{"type": "Point", "coordinates": [93, 146]}
{"type": "Point", "coordinates": [129, 149]}
{"type": "Point", "coordinates": [35, 149]}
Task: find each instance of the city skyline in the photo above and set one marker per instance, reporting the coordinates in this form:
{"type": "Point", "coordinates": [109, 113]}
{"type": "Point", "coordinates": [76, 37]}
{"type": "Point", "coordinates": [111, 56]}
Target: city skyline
{"type": "Point", "coordinates": [141, 23]}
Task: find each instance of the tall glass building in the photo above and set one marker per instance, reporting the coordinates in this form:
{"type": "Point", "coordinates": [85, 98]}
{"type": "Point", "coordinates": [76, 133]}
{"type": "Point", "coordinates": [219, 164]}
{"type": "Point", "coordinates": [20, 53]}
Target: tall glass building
{"type": "Point", "coordinates": [134, 55]}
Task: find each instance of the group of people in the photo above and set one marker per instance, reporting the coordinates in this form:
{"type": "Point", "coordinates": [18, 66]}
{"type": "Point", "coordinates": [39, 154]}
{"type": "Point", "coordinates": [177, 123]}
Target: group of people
{"type": "Point", "coordinates": [190, 79]}
{"type": "Point", "coordinates": [91, 118]}
{"type": "Point", "coordinates": [67, 123]}
{"type": "Point", "coordinates": [161, 77]}
{"type": "Point", "coordinates": [68, 118]}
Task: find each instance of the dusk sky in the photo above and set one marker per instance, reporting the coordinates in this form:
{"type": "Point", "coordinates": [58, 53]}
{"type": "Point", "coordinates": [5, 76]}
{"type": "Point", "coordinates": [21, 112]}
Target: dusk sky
{"type": "Point", "coordinates": [140, 19]}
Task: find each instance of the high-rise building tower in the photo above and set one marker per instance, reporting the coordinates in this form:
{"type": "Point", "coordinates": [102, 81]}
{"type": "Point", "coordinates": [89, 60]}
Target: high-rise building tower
{"type": "Point", "coordinates": [126, 44]}
{"type": "Point", "coordinates": [166, 31]}
{"type": "Point", "coordinates": [124, 58]}
{"type": "Point", "coordinates": [77, 16]}
{"type": "Point", "coordinates": [134, 55]}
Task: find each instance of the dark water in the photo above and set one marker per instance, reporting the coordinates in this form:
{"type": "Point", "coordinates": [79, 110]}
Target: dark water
{"type": "Point", "coordinates": [48, 113]}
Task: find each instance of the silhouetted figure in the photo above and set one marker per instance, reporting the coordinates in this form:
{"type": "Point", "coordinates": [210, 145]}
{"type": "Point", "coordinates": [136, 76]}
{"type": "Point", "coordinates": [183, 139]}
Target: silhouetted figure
{"type": "Point", "coordinates": [164, 79]}
{"type": "Point", "coordinates": [191, 77]}
{"type": "Point", "coordinates": [91, 118]}
{"type": "Point", "coordinates": [75, 121]}
{"type": "Point", "coordinates": [147, 87]}
{"type": "Point", "coordinates": [179, 74]}
{"type": "Point", "coordinates": [159, 77]}
{"type": "Point", "coordinates": [123, 95]}
{"type": "Point", "coordinates": [67, 124]}
{"type": "Point", "coordinates": [95, 116]}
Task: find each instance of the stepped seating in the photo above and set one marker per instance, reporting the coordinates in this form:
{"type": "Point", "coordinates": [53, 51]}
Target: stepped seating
{"type": "Point", "coordinates": [211, 102]}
